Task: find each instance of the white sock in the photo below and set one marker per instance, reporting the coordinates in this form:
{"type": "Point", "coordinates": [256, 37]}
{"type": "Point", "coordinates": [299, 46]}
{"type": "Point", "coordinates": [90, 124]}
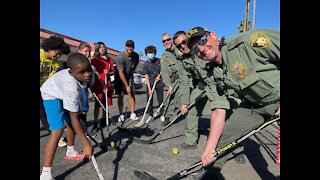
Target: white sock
{"type": "Point", "coordinates": [71, 151]}
{"type": "Point", "coordinates": [46, 173]}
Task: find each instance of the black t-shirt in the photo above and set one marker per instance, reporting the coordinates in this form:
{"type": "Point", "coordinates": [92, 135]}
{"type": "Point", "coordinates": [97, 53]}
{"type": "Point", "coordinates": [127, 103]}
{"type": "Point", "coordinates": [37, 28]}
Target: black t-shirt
{"type": "Point", "coordinates": [153, 70]}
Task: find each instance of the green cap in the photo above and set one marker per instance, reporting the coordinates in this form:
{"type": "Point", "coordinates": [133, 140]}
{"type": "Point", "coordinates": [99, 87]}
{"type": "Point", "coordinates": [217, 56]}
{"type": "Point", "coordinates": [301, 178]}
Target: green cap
{"type": "Point", "coordinates": [195, 32]}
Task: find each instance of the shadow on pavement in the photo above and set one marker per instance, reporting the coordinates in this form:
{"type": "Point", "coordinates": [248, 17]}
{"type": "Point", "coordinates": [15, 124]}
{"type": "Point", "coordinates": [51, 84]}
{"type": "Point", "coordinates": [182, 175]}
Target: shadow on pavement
{"type": "Point", "coordinates": [257, 160]}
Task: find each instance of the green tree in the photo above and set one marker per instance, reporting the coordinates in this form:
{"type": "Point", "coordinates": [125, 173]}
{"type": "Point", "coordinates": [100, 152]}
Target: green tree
{"type": "Point", "coordinates": [240, 28]}
{"type": "Point", "coordinates": [140, 54]}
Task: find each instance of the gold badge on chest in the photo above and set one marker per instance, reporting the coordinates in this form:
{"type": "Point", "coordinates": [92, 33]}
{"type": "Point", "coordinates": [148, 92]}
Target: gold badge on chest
{"type": "Point", "coordinates": [237, 68]}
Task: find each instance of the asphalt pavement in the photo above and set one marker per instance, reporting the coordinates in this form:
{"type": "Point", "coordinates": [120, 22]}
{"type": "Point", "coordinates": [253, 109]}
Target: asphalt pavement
{"type": "Point", "coordinates": [157, 158]}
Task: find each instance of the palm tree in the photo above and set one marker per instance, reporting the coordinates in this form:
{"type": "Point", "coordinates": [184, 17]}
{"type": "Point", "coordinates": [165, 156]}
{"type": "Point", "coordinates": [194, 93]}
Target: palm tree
{"type": "Point", "coordinates": [240, 28]}
{"type": "Point", "coordinates": [140, 54]}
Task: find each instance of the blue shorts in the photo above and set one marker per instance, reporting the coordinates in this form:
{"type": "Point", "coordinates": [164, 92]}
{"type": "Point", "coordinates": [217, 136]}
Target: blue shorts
{"type": "Point", "coordinates": [56, 115]}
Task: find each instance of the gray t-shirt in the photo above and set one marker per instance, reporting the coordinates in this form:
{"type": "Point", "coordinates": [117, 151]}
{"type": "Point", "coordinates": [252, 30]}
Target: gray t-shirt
{"type": "Point", "coordinates": [128, 65]}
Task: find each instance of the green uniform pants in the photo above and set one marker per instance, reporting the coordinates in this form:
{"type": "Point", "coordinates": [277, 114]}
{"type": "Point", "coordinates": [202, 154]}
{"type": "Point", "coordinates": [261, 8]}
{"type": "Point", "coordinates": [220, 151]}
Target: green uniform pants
{"type": "Point", "coordinates": [171, 103]}
{"type": "Point", "coordinates": [192, 119]}
{"type": "Point", "coordinates": [242, 120]}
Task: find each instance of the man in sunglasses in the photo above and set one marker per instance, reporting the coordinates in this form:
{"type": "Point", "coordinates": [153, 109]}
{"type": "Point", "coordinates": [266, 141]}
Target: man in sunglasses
{"type": "Point", "coordinates": [202, 78]}
{"type": "Point", "coordinates": [198, 73]}
{"type": "Point", "coordinates": [173, 74]}
{"type": "Point", "coordinates": [249, 64]}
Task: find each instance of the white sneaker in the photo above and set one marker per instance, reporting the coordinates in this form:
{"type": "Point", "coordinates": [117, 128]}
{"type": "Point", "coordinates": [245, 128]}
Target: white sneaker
{"type": "Point", "coordinates": [149, 118]}
{"type": "Point", "coordinates": [62, 143]}
{"type": "Point", "coordinates": [162, 118]}
{"type": "Point", "coordinates": [121, 118]}
{"type": "Point", "coordinates": [133, 117]}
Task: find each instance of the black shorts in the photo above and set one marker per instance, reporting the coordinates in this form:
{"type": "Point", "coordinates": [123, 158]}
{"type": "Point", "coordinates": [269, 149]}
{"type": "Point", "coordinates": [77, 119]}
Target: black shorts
{"type": "Point", "coordinates": [119, 87]}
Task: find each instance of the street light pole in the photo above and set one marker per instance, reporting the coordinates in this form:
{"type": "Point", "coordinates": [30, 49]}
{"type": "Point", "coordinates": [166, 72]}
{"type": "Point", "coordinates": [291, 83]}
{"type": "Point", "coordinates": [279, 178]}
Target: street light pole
{"type": "Point", "coordinates": [253, 13]}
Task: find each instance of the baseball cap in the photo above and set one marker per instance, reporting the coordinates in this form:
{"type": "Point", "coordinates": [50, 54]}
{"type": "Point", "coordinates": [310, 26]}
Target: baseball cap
{"type": "Point", "coordinates": [195, 32]}
{"type": "Point", "coordinates": [130, 43]}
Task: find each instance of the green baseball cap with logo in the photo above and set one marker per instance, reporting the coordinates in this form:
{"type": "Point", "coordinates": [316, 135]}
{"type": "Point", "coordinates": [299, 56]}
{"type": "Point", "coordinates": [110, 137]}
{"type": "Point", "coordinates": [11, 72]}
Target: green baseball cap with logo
{"type": "Point", "coordinates": [195, 32]}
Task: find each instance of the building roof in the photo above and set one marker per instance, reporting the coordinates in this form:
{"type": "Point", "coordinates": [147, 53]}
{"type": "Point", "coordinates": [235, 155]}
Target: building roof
{"type": "Point", "coordinates": [74, 43]}
{"type": "Point", "coordinates": [44, 34]}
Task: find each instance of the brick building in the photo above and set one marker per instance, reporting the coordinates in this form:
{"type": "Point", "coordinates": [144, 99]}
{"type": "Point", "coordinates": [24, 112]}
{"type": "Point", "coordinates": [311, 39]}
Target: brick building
{"type": "Point", "coordinates": [74, 43]}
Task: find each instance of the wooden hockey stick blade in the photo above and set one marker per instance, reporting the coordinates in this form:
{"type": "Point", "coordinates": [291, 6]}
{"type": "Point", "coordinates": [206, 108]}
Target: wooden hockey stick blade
{"type": "Point", "coordinates": [143, 175]}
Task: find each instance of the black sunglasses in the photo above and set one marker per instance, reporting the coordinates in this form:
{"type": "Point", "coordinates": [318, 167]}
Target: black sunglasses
{"type": "Point", "coordinates": [165, 40]}
{"type": "Point", "coordinates": [179, 46]}
{"type": "Point", "coordinates": [202, 41]}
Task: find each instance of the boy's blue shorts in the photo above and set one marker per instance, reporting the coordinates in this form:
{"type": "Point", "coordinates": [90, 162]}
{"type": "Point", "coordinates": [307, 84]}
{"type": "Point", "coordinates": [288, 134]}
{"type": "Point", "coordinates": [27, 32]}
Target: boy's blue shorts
{"type": "Point", "coordinates": [56, 115]}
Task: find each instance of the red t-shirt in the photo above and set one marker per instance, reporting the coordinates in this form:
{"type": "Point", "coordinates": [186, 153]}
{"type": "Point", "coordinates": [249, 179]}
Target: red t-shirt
{"type": "Point", "coordinates": [100, 64]}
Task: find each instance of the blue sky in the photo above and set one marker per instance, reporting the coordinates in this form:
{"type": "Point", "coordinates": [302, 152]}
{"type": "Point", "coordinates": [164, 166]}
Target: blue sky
{"type": "Point", "coordinates": [144, 21]}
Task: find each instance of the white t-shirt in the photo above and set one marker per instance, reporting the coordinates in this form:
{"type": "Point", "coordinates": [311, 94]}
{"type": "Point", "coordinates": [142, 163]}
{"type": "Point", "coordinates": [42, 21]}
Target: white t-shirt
{"type": "Point", "coordinates": [65, 87]}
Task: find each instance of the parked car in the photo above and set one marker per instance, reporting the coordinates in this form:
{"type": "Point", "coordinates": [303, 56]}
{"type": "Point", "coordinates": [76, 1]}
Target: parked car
{"type": "Point", "coordinates": [138, 79]}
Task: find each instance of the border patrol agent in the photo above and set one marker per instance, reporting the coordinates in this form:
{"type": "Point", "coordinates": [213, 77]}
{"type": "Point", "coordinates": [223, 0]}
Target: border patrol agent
{"type": "Point", "coordinates": [174, 76]}
{"type": "Point", "coordinates": [248, 63]}
{"type": "Point", "coordinates": [198, 69]}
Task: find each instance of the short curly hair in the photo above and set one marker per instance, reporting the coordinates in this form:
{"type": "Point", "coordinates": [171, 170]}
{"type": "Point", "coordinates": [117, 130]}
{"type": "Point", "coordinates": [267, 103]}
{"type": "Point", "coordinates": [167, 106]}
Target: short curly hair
{"type": "Point", "coordinates": [150, 49]}
{"type": "Point", "coordinates": [55, 43]}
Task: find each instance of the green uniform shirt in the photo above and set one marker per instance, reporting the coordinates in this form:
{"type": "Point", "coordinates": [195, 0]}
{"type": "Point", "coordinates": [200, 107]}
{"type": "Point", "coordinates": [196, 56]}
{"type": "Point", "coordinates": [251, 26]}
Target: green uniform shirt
{"type": "Point", "coordinates": [201, 70]}
{"type": "Point", "coordinates": [252, 65]}
{"type": "Point", "coordinates": [170, 65]}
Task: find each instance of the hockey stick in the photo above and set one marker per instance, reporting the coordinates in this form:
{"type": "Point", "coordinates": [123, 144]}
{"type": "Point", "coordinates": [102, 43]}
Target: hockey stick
{"type": "Point", "coordinates": [141, 122]}
{"type": "Point", "coordinates": [107, 115]}
{"type": "Point", "coordinates": [103, 148]}
{"type": "Point", "coordinates": [221, 151]}
{"type": "Point", "coordinates": [148, 141]}
{"type": "Point", "coordinates": [107, 106]}
{"type": "Point", "coordinates": [95, 96]}
{"type": "Point", "coordinates": [161, 105]}
{"type": "Point", "coordinates": [155, 114]}
{"type": "Point", "coordinates": [96, 167]}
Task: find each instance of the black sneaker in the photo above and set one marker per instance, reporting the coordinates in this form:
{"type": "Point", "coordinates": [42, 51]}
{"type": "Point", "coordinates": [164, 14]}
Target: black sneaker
{"type": "Point", "coordinates": [92, 134]}
{"type": "Point", "coordinates": [95, 127]}
{"type": "Point", "coordinates": [184, 145]}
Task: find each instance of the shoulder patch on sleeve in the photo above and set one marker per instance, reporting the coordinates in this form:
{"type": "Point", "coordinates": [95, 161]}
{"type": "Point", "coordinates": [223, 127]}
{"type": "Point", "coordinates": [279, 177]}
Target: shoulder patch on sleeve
{"type": "Point", "coordinates": [260, 40]}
